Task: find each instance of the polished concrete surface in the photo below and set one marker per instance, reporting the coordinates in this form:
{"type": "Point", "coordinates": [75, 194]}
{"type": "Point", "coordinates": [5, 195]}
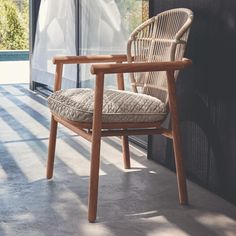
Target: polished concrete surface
{"type": "Point", "coordinates": [141, 201]}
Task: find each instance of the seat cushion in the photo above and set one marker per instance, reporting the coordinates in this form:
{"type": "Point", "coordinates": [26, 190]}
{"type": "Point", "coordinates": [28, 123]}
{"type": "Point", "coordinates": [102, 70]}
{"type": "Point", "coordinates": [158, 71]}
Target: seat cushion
{"type": "Point", "coordinates": [118, 106]}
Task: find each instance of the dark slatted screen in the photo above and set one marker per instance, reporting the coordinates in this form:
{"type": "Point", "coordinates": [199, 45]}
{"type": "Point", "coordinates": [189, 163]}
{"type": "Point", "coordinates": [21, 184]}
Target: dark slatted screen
{"type": "Point", "coordinates": [207, 97]}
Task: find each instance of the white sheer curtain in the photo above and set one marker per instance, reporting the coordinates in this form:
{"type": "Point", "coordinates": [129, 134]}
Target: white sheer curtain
{"type": "Point", "coordinates": [55, 35]}
{"type": "Point", "coordinates": [102, 32]}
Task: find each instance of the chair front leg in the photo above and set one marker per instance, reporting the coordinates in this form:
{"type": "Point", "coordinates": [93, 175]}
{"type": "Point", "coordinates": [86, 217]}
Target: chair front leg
{"type": "Point", "coordinates": [96, 143]}
{"type": "Point", "coordinates": [94, 176]}
{"type": "Point", "coordinates": [51, 148]}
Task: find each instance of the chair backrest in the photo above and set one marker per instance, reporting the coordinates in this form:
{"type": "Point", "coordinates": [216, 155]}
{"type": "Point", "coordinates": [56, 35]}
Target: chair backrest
{"type": "Point", "coordinates": [161, 38]}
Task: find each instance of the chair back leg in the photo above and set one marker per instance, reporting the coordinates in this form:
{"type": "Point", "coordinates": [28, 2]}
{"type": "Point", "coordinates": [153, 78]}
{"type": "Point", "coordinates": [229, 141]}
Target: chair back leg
{"type": "Point", "coordinates": [180, 172]}
{"type": "Point", "coordinates": [175, 124]}
{"type": "Point", "coordinates": [51, 148]}
{"type": "Point", "coordinates": [125, 151]}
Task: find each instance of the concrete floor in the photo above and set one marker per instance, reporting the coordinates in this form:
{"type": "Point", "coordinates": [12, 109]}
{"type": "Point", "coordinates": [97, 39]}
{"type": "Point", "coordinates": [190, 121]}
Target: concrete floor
{"type": "Point", "coordinates": [140, 201]}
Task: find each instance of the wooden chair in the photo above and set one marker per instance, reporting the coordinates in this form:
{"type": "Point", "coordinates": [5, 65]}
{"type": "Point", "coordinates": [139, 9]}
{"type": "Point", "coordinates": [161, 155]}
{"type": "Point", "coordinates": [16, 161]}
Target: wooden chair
{"type": "Point", "coordinates": [154, 57]}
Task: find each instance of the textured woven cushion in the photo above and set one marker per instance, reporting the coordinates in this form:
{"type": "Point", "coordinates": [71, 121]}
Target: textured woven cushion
{"type": "Point", "coordinates": [118, 106]}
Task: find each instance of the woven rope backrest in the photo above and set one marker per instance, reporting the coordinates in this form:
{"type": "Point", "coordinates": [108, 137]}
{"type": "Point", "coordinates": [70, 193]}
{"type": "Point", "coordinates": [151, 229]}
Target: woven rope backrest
{"type": "Point", "coordinates": [161, 38]}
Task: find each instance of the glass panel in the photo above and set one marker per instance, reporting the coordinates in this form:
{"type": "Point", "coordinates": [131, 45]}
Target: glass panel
{"type": "Point", "coordinates": [55, 35]}
{"type": "Point", "coordinates": [105, 26]}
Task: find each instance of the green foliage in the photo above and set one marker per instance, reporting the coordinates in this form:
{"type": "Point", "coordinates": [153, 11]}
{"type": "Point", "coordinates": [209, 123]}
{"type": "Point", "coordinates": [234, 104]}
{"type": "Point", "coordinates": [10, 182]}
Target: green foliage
{"type": "Point", "coordinates": [133, 12]}
{"type": "Point", "coordinates": [25, 15]}
{"type": "Point", "coordinates": [13, 26]}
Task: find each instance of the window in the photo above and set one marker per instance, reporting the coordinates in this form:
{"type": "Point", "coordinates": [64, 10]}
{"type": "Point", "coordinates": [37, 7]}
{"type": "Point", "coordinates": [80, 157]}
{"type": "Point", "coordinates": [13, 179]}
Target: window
{"type": "Point", "coordinates": [105, 27]}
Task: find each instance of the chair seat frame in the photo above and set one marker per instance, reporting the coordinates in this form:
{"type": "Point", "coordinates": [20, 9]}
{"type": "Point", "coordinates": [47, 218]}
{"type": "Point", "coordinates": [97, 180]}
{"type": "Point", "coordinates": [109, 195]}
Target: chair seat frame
{"type": "Point", "coordinates": [94, 131]}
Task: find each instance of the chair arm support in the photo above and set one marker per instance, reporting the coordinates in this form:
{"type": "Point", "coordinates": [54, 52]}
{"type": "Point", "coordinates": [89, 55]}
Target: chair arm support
{"type": "Point", "coordinates": [140, 67]}
{"type": "Point", "coordinates": [89, 59]}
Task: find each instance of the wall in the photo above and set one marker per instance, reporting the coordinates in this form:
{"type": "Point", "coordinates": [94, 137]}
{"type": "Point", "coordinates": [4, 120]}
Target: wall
{"type": "Point", "coordinates": [207, 97]}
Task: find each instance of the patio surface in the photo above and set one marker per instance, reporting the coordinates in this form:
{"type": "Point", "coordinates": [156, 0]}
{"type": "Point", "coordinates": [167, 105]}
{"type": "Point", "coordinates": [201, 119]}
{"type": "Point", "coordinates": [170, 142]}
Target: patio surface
{"type": "Point", "coordinates": [142, 201]}
{"type": "Point", "coordinates": [14, 72]}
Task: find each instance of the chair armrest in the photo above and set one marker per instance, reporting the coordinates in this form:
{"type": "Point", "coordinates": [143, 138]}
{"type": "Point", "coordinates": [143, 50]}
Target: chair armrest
{"type": "Point", "coordinates": [140, 67]}
{"type": "Point", "coordinates": [88, 59]}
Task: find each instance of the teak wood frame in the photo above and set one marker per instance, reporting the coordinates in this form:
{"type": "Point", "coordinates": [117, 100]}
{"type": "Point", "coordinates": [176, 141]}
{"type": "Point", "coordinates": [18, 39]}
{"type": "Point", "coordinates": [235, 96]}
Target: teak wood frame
{"type": "Point", "coordinates": [97, 129]}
